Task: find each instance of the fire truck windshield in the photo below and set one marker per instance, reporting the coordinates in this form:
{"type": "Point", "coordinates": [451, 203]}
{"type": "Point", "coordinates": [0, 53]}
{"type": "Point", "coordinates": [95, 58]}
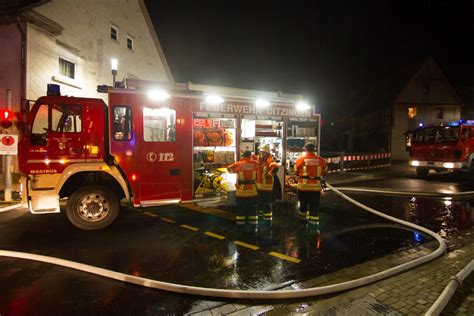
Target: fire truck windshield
{"type": "Point", "coordinates": [437, 134]}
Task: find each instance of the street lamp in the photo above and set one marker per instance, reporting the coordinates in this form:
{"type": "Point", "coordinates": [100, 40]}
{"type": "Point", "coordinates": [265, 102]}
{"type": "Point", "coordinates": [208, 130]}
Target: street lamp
{"type": "Point", "coordinates": [114, 67]}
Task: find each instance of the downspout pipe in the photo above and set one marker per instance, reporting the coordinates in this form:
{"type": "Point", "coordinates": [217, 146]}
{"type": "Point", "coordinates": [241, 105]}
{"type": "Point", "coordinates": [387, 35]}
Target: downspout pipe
{"type": "Point", "coordinates": [20, 27]}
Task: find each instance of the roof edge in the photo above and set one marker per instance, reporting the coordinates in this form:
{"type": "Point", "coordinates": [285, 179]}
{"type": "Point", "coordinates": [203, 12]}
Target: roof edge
{"type": "Point", "coordinates": [152, 30]}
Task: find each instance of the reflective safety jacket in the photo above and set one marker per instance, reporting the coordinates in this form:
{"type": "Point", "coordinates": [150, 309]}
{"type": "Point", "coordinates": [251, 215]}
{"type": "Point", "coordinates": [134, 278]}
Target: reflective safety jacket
{"type": "Point", "coordinates": [267, 169]}
{"type": "Point", "coordinates": [309, 167]}
{"type": "Point", "coordinates": [246, 170]}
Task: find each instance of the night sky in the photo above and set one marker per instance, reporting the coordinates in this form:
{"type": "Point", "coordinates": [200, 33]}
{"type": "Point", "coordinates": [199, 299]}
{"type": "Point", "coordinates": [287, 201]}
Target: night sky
{"type": "Point", "coordinates": [333, 52]}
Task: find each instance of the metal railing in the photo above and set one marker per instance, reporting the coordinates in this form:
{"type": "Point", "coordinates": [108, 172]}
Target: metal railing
{"type": "Point", "coordinates": [359, 161]}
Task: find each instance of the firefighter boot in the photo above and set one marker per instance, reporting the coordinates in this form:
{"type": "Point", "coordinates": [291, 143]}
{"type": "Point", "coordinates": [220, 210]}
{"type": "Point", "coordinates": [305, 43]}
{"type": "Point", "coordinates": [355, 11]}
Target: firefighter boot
{"type": "Point", "coordinates": [267, 214]}
{"type": "Point", "coordinates": [253, 220]}
{"type": "Point", "coordinates": [240, 220]}
{"type": "Point", "coordinates": [313, 220]}
{"type": "Point", "coordinates": [303, 215]}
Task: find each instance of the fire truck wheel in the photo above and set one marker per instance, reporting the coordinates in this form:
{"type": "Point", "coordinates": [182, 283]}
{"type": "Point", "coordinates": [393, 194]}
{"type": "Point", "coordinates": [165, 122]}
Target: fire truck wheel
{"type": "Point", "coordinates": [92, 207]}
{"type": "Point", "coordinates": [422, 172]}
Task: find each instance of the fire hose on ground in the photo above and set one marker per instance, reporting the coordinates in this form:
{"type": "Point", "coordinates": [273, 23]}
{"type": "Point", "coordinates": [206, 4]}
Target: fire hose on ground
{"type": "Point", "coordinates": [449, 290]}
{"type": "Point", "coordinates": [250, 294]}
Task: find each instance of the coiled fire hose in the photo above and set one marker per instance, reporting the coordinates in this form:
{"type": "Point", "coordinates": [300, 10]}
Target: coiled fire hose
{"type": "Point", "coordinates": [250, 294]}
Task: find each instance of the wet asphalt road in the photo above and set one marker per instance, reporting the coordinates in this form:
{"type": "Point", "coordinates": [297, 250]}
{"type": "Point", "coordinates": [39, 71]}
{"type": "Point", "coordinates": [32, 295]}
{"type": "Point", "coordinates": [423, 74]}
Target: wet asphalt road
{"type": "Point", "coordinates": [152, 243]}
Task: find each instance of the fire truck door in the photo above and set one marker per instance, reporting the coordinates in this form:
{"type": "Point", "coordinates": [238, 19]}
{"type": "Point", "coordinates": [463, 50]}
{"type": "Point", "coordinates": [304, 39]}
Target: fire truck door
{"type": "Point", "coordinates": [160, 168]}
{"type": "Point", "coordinates": [56, 138]}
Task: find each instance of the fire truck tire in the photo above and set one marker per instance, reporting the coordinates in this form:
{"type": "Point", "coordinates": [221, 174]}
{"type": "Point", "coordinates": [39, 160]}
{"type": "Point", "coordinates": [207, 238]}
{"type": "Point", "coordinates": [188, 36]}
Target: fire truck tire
{"type": "Point", "coordinates": [422, 172]}
{"type": "Point", "coordinates": [92, 207]}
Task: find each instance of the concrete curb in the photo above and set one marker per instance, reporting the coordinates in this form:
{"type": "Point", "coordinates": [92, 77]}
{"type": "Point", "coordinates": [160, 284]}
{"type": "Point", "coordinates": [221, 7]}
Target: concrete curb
{"type": "Point", "coordinates": [11, 207]}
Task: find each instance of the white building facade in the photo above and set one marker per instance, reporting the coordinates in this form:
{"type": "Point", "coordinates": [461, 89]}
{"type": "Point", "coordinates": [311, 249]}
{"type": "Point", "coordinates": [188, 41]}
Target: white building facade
{"type": "Point", "coordinates": [71, 43]}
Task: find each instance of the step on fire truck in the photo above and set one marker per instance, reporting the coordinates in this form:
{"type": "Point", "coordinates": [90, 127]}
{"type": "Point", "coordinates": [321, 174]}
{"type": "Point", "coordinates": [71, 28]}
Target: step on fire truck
{"type": "Point", "coordinates": [443, 147]}
{"type": "Point", "coordinates": [141, 147]}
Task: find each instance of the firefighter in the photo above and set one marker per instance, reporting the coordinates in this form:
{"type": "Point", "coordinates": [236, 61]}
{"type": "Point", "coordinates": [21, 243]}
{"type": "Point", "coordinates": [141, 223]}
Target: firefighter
{"type": "Point", "coordinates": [267, 169]}
{"type": "Point", "coordinates": [246, 194]}
{"type": "Point", "coordinates": [309, 168]}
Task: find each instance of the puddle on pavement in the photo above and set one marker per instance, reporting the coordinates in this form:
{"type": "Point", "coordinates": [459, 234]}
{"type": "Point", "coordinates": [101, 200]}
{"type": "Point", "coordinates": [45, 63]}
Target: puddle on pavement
{"type": "Point", "coordinates": [445, 216]}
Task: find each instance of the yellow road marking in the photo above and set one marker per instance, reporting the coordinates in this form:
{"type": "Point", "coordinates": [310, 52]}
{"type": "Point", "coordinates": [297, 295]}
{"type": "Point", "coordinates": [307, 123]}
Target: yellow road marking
{"type": "Point", "coordinates": [209, 210]}
{"type": "Point", "coordinates": [214, 235]}
{"type": "Point", "coordinates": [239, 243]}
{"type": "Point", "coordinates": [190, 227]}
{"type": "Point", "coordinates": [164, 219]}
{"type": "Point", "coordinates": [220, 237]}
{"type": "Point", "coordinates": [284, 257]}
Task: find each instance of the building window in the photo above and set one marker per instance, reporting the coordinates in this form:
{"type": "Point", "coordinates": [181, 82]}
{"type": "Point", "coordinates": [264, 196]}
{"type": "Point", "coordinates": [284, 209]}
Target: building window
{"type": "Point", "coordinates": [114, 33]}
{"type": "Point", "coordinates": [130, 43]}
{"type": "Point", "coordinates": [66, 68]}
{"type": "Point", "coordinates": [412, 113]}
{"type": "Point", "coordinates": [439, 113]}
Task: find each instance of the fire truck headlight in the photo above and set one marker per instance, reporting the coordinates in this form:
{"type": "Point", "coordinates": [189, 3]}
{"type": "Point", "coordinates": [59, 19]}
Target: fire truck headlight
{"type": "Point", "coordinates": [448, 165]}
{"type": "Point", "coordinates": [158, 95]}
{"type": "Point", "coordinates": [415, 163]}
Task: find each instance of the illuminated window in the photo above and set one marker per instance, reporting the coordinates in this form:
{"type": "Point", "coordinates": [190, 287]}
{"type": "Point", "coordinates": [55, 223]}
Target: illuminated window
{"type": "Point", "coordinates": [412, 113]}
{"type": "Point", "coordinates": [159, 125]}
{"type": "Point", "coordinates": [66, 68]}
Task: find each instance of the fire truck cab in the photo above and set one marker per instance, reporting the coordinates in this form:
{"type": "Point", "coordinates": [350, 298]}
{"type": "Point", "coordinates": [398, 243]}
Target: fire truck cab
{"type": "Point", "coordinates": [144, 146]}
{"type": "Point", "coordinates": [443, 147]}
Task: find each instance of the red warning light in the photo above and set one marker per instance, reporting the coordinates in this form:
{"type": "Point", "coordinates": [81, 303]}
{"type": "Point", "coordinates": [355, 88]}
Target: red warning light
{"type": "Point", "coordinates": [7, 117]}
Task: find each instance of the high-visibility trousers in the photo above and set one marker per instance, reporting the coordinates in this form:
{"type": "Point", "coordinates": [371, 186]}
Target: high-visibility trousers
{"type": "Point", "coordinates": [309, 205]}
{"type": "Point", "coordinates": [265, 204]}
{"type": "Point", "coordinates": [246, 210]}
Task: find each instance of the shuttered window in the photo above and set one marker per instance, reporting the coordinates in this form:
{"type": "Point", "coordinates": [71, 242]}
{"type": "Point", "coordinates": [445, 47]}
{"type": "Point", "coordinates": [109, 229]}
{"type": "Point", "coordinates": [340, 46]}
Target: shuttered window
{"type": "Point", "coordinates": [66, 68]}
{"type": "Point", "coordinates": [114, 33]}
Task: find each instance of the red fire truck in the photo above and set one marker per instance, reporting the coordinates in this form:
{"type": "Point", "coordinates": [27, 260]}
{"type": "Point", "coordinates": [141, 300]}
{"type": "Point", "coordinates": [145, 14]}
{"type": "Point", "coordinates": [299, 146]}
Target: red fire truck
{"type": "Point", "coordinates": [443, 147]}
{"type": "Point", "coordinates": [148, 147]}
